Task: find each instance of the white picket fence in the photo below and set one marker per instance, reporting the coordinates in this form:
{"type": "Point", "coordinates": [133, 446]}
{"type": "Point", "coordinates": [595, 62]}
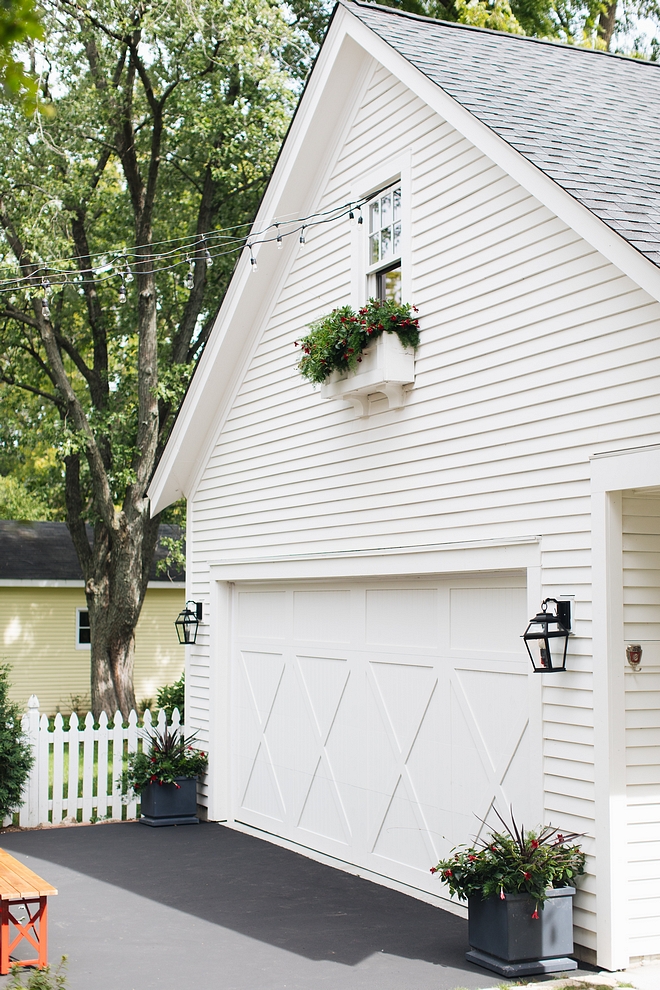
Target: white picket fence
{"type": "Point", "coordinates": [78, 769]}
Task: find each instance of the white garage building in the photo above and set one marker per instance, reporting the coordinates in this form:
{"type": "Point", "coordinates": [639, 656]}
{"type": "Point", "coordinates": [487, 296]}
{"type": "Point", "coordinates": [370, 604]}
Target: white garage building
{"type": "Point", "coordinates": [369, 553]}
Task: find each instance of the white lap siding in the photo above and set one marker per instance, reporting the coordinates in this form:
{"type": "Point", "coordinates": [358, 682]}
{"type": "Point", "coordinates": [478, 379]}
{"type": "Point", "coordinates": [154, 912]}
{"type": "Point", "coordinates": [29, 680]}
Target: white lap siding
{"type": "Point", "coordinates": [641, 613]}
{"type": "Point", "coordinates": [536, 353]}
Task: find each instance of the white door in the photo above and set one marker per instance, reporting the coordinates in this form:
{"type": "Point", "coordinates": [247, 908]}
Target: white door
{"type": "Point", "coordinates": [377, 722]}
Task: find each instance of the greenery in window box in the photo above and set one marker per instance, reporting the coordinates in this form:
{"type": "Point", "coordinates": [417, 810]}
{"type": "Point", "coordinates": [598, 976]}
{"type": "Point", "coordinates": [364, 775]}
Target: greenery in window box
{"type": "Point", "coordinates": [514, 862]}
{"type": "Point", "coordinates": [172, 755]}
{"type": "Point", "coordinates": [336, 342]}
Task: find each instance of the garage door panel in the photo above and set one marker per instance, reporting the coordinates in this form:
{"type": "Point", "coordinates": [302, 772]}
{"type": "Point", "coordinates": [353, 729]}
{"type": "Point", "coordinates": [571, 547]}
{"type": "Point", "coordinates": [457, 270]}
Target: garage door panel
{"type": "Point", "coordinates": [262, 794]}
{"type": "Point", "coordinates": [321, 616]}
{"type": "Point", "coordinates": [291, 736]}
{"type": "Point", "coordinates": [383, 719]}
{"type": "Point", "coordinates": [402, 617]}
{"type": "Point", "coordinates": [403, 692]}
{"type": "Point", "coordinates": [261, 614]}
{"type": "Point", "coordinates": [325, 679]}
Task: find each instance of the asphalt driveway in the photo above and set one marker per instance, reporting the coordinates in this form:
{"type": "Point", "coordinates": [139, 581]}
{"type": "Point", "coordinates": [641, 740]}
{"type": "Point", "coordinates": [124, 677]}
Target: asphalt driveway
{"type": "Point", "coordinates": [208, 908]}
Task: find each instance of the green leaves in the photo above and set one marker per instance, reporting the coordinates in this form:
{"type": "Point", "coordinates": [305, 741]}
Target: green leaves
{"type": "Point", "coordinates": [172, 755]}
{"type": "Point", "coordinates": [513, 862]}
{"type": "Point", "coordinates": [337, 341]}
{"type": "Point", "coordinates": [16, 757]}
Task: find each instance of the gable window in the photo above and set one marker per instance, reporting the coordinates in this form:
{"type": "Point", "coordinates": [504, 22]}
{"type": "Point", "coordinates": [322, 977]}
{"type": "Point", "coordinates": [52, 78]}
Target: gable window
{"type": "Point", "coordinates": [385, 235]}
{"type": "Point", "coordinates": [83, 630]}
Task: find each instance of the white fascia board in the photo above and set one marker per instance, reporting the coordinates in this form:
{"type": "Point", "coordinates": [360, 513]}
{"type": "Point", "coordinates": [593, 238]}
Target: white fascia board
{"type": "Point", "coordinates": [516, 553]}
{"type": "Point", "coordinates": [610, 244]}
{"type": "Point", "coordinates": [340, 71]}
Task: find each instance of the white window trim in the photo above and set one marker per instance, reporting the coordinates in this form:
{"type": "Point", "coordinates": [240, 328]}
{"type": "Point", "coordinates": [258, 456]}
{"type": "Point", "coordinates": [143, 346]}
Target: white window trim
{"type": "Point", "coordinates": [81, 646]}
{"type": "Point", "coordinates": [387, 173]}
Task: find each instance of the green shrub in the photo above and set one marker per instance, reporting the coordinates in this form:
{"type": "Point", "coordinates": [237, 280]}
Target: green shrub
{"type": "Point", "coordinates": [16, 757]}
{"type": "Point", "coordinates": [39, 979]}
{"type": "Point", "coordinates": [172, 696]}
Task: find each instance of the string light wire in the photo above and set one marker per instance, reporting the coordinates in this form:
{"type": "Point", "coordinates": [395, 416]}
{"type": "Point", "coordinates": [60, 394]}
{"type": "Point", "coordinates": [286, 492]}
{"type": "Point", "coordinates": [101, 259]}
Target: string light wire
{"type": "Point", "coordinates": [183, 249]}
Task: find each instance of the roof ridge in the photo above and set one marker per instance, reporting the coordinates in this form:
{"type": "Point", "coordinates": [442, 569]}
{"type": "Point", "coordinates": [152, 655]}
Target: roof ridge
{"type": "Point", "coordinates": [370, 4]}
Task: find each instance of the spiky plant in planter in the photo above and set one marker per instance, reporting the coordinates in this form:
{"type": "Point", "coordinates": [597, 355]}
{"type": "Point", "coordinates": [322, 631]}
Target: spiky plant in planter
{"type": "Point", "coordinates": [16, 757]}
{"type": "Point", "coordinates": [172, 756]}
{"type": "Point", "coordinates": [514, 861]}
{"type": "Point", "coordinates": [336, 342]}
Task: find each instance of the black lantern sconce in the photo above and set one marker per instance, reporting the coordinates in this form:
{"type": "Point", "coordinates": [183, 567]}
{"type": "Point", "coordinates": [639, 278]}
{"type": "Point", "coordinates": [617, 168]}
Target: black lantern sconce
{"type": "Point", "coordinates": [546, 637]}
{"type": "Point", "coordinates": [187, 622]}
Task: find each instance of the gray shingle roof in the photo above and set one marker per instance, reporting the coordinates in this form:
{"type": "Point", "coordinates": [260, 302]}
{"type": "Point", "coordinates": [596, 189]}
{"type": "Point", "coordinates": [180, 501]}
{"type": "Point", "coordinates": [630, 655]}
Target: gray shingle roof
{"type": "Point", "coordinates": [587, 119]}
{"type": "Point", "coordinates": [43, 551]}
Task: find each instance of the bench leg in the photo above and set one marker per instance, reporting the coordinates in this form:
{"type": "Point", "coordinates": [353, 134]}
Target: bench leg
{"type": "Point", "coordinates": [4, 937]}
{"type": "Point", "coordinates": [25, 931]}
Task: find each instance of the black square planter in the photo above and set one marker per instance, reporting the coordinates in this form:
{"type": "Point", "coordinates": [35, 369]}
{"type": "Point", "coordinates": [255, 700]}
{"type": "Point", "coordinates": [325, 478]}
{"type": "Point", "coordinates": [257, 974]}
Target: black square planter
{"type": "Point", "coordinates": [506, 939]}
{"type": "Point", "coordinates": [167, 804]}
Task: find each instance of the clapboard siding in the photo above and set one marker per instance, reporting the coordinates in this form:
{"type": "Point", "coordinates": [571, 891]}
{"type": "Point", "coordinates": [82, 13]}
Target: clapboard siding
{"type": "Point", "coordinates": [530, 342]}
{"type": "Point", "coordinates": [641, 614]}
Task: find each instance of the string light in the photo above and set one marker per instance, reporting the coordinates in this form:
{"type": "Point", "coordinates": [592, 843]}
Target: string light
{"type": "Point", "coordinates": [214, 244]}
{"type": "Point", "coordinates": [189, 280]}
{"type": "Point", "coordinates": [122, 292]}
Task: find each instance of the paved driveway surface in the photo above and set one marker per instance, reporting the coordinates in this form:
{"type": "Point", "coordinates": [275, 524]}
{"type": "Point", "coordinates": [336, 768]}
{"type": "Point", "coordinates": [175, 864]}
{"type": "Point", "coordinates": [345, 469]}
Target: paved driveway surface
{"type": "Point", "coordinates": [208, 908]}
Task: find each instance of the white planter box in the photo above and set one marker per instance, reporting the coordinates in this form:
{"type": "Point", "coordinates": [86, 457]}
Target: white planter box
{"type": "Point", "coordinates": [386, 367]}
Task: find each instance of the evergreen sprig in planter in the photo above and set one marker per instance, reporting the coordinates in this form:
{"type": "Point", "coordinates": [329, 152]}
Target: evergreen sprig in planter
{"type": "Point", "coordinates": [166, 778]}
{"type": "Point", "coordinates": [336, 342]}
{"type": "Point", "coordinates": [519, 887]}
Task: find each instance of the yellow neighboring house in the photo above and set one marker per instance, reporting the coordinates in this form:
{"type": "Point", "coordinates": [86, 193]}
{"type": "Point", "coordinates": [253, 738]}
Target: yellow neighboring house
{"type": "Point", "coordinates": [44, 623]}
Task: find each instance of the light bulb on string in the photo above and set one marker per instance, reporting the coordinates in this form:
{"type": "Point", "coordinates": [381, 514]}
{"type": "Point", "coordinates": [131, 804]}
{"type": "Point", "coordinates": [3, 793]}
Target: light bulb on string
{"type": "Point", "coordinates": [278, 239]}
{"type": "Point", "coordinates": [45, 309]}
{"type": "Point", "coordinates": [351, 215]}
{"type": "Point", "coordinates": [207, 255]}
{"type": "Point", "coordinates": [189, 280]}
{"type": "Point", "coordinates": [302, 239]}
{"type": "Point", "coordinates": [253, 260]}
{"type": "Point", "coordinates": [128, 274]}
{"type": "Point", "coordinates": [360, 218]}
{"type": "Point", "coordinates": [122, 292]}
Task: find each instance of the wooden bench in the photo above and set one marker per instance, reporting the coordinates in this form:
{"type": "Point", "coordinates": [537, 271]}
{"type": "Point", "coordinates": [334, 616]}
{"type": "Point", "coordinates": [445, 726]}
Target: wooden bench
{"type": "Point", "coordinates": [20, 887]}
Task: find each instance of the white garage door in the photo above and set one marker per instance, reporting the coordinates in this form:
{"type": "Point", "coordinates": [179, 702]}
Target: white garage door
{"type": "Point", "coordinates": [373, 721]}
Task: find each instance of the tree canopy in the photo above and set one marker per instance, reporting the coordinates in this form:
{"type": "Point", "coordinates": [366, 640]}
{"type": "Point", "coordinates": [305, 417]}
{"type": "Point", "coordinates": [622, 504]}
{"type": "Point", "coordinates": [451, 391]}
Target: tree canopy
{"type": "Point", "coordinates": [122, 211]}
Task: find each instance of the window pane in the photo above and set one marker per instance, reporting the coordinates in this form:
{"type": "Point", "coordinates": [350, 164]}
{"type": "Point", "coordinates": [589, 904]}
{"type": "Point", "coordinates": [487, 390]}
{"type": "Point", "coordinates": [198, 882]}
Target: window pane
{"type": "Point", "coordinates": [84, 631]}
{"type": "Point", "coordinates": [385, 242]}
{"type": "Point", "coordinates": [374, 217]}
{"type": "Point", "coordinates": [396, 203]}
{"type": "Point", "coordinates": [386, 210]}
{"type": "Point", "coordinates": [396, 239]}
{"type": "Point", "coordinates": [392, 285]}
{"type": "Point", "coordinates": [374, 254]}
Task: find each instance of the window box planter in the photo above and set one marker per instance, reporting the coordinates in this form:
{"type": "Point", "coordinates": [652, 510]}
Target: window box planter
{"type": "Point", "coordinates": [506, 939]}
{"type": "Point", "coordinates": [386, 367]}
{"type": "Point", "coordinates": [167, 804]}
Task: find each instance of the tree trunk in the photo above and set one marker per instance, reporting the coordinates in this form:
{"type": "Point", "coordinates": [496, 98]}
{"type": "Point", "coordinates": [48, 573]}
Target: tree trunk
{"type": "Point", "coordinates": [606, 23]}
{"type": "Point", "coordinates": [115, 593]}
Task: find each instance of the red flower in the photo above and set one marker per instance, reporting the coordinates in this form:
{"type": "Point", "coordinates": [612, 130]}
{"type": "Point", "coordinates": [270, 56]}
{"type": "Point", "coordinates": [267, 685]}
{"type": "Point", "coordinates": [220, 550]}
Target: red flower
{"type": "Point", "coordinates": [178, 786]}
{"type": "Point", "coordinates": [535, 916]}
{"type": "Point", "coordinates": [528, 876]}
{"type": "Point", "coordinates": [502, 896]}
{"type": "Point", "coordinates": [434, 869]}
{"type": "Point", "coordinates": [447, 873]}
{"type": "Point", "coordinates": [472, 858]}
{"type": "Point", "coordinates": [535, 844]}
{"type": "Point", "coordinates": [415, 310]}
{"type": "Point", "coordinates": [295, 343]}
{"type": "Point", "coordinates": [560, 838]}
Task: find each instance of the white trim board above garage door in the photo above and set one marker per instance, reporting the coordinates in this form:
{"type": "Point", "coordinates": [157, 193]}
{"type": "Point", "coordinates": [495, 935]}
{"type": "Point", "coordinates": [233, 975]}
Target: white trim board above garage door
{"type": "Point", "coordinates": [373, 720]}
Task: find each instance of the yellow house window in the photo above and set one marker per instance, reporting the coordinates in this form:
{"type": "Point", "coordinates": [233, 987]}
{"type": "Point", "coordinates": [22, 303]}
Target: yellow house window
{"type": "Point", "coordinates": [83, 631]}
